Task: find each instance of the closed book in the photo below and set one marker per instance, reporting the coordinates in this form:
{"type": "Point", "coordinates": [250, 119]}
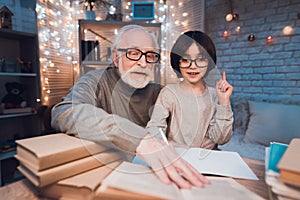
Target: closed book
{"type": "Point", "coordinates": [47, 151]}
{"type": "Point", "coordinates": [289, 164]}
{"type": "Point", "coordinates": [54, 174]}
{"type": "Point", "coordinates": [275, 154]}
{"type": "Point", "coordinates": [79, 187]}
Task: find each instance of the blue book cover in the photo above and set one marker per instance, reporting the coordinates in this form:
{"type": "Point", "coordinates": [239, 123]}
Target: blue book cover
{"type": "Point", "coordinates": [276, 152]}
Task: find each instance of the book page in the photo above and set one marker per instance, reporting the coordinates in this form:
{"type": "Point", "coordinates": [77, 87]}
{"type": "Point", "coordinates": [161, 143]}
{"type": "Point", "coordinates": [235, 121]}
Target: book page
{"type": "Point", "coordinates": [224, 163]}
{"type": "Point", "coordinates": [221, 188]}
{"type": "Point", "coordinates": [139, 179]}
{"type": "Point", "coordinates": [81, 186]}
{"type": "Point", "coordinates": [135, 178]}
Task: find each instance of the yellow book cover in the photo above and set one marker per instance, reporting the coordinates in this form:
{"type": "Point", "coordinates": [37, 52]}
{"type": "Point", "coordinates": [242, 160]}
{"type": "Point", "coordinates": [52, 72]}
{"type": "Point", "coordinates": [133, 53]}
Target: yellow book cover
{"type": "Point", "coordinates": [47, 151]}
{"type": "Point", "coordinates": [57, 173]}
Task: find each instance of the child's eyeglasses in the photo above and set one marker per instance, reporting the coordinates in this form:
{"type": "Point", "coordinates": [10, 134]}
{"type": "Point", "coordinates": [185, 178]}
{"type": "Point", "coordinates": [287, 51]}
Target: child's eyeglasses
{"type": "Point", "coordinates": [200, 62]}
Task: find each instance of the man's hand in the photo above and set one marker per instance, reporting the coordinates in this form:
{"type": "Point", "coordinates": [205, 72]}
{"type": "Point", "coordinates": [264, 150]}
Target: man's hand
{"type": "Point", "coordinates": [168, 165]}
{"type": "Point", "coordinates": [224, 90]}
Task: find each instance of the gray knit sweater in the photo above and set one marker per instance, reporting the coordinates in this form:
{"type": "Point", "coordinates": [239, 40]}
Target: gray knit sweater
{"type": "Point", "coordinates": [102, 108]}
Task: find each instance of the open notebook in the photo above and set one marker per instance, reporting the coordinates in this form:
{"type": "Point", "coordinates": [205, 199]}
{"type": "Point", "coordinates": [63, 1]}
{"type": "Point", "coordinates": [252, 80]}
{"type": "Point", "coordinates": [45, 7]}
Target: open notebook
{"type": "Point", "coordinates": [223, 163]}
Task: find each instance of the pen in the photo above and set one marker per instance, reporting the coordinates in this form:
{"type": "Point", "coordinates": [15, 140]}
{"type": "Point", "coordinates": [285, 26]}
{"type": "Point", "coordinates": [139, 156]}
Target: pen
{"type": "Point", "coordinates": [163, 135]}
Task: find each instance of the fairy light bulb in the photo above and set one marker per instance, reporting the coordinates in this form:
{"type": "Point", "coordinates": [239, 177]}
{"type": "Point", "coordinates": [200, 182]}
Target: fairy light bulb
{"type": "Point", "coordinates": [229, 17]}
{"type": "Point", "coordinates": [269, 39]}
{"type": "Point", "coordinates": [225, 34]}
{"type": "Point", "coordinates": [288, 30]}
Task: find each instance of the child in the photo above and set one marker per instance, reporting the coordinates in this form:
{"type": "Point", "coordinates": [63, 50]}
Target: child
{"type": "Point", "coordinates": [192, 113]}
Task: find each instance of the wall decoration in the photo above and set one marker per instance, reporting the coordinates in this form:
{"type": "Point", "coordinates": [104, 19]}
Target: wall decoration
{"type": "Point", "coordinates": [5, 18]}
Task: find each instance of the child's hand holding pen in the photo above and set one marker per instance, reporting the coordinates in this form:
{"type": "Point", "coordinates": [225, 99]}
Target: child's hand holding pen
{"type": "Point", "coordinates": [224, 90]}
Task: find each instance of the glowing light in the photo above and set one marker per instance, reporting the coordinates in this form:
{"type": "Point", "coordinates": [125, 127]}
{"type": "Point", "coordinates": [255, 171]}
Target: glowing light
{"type": "Point", "coordinates": [185, 14]}
{"type": "Point", "coordinates": [269, 39]}
{"type": "Point", "coordinates": [288, 30]}
{"type": "Point", "coordinates": [229, 17]}
{"type": "Point", "coordinates": [225, 34]}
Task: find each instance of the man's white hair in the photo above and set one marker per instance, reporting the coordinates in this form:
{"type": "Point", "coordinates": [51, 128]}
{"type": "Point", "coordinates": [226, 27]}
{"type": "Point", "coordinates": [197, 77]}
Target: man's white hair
{"type": "Point", "coordinates": [132, 27]}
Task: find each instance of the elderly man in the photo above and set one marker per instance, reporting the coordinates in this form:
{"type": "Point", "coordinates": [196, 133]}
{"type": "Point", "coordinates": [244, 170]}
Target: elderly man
{"type": "Point", "coordinates": [113, 105]}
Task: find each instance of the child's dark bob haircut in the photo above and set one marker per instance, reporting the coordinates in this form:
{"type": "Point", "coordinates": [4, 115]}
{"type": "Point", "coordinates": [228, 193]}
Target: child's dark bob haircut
{"type": "Point", "coordinates": [205, 44]}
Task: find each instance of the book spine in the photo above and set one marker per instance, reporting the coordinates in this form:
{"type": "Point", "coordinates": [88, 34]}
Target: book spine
{"type": "Point", "coordinates": [60, 172]}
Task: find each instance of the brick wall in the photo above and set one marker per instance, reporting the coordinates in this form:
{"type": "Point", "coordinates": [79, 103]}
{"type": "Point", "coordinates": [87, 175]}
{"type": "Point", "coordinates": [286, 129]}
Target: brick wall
{"type": "Point", "coordinates": [257, 70]}
{"type": "Point", "coordinates": [24, 18]}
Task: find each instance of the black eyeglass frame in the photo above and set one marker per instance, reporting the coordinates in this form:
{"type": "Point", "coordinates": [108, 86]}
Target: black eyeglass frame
{"type": "Point", "coordinates": [142, 53]}
{"type": "Point", "coordinates": [191, 61]}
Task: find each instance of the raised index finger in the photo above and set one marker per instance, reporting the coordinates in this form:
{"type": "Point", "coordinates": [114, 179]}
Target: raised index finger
{"type": "Point", "coordinates": [224, 76]}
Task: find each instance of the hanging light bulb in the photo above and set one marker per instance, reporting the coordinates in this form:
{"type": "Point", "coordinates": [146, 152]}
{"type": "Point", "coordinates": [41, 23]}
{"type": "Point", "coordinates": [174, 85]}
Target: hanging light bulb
{"type": "Point", "coordinates": [288, 30]}
{"type": "Point", "coordinates": [229, 17]}
{"type": "Point", "coordinates": [251, 37]}
{"type": "Point", "coordinates": [225, 34]}
{"type": "Point", "coordinates": [269, 39]}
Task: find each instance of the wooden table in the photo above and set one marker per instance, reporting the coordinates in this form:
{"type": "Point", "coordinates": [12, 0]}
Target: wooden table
{"type": "Point", "coordinates": [23, 189]}
{"type": "Point", "coordinates": [259, 187]}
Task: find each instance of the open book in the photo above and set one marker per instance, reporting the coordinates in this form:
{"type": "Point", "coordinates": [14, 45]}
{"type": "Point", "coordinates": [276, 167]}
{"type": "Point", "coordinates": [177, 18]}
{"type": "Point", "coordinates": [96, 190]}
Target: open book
{"type": "Point", "coordinates": [223, 163]}
{"type": "Point", "coordinates": [139, 182]}
{"type": "Point", "coordinates": [79, 187]}
{"type": "Point", "coordinates": [47, 151]}
{"type": "Point", "coordinates": [212, 162]}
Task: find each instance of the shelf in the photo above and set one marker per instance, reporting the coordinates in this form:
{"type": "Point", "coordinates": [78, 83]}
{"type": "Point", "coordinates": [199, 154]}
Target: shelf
{"type": "Point", "coordinates": [103, 32]}
{"type": "Point", "coordinates": [86, 62]}
{"type": "Point", "coordinates": [6, 155]}
{"type": "Point", "coordinates": [16, 115]}
{"type": "Point", "coordinates": [96, 25]}
{"type": "Point", "coordinates": [12, 34]}
{"type": "Point", "coordinates": [17, 74]}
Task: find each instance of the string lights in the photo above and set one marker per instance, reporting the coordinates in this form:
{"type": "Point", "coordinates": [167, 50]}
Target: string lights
{"type": "Point", "coordinates": [231, 16]}
{"type": "Point", "coordinates": [58, 38]}
{"type": "Point", "coordinates": [57, 46]}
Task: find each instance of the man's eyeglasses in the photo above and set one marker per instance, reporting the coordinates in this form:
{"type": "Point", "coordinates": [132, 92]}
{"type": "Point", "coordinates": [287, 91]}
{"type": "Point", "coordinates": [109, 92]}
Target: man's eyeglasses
{"type": "Point", "coordinates": [200, 62]}
{"type": "Point", "coordinates": [136, 54]}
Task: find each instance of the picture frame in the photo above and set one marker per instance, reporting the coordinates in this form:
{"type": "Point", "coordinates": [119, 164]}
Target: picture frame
{"type": "Point", "coordinates": [143, 11]}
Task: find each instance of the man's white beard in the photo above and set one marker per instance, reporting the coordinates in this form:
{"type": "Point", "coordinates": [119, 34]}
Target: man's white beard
{"type": "Point", "coordinates": [135, 82]}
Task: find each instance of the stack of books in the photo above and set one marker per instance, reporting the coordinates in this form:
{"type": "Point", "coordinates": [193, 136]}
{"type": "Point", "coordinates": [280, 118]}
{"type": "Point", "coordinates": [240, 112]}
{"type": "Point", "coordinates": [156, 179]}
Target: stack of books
{"type": "Point", "coordinates": [283, 170]}
{"type": "Point", "coordinates": [62, 161]}
{"type": "Point", "coordinates": [289, 165]}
